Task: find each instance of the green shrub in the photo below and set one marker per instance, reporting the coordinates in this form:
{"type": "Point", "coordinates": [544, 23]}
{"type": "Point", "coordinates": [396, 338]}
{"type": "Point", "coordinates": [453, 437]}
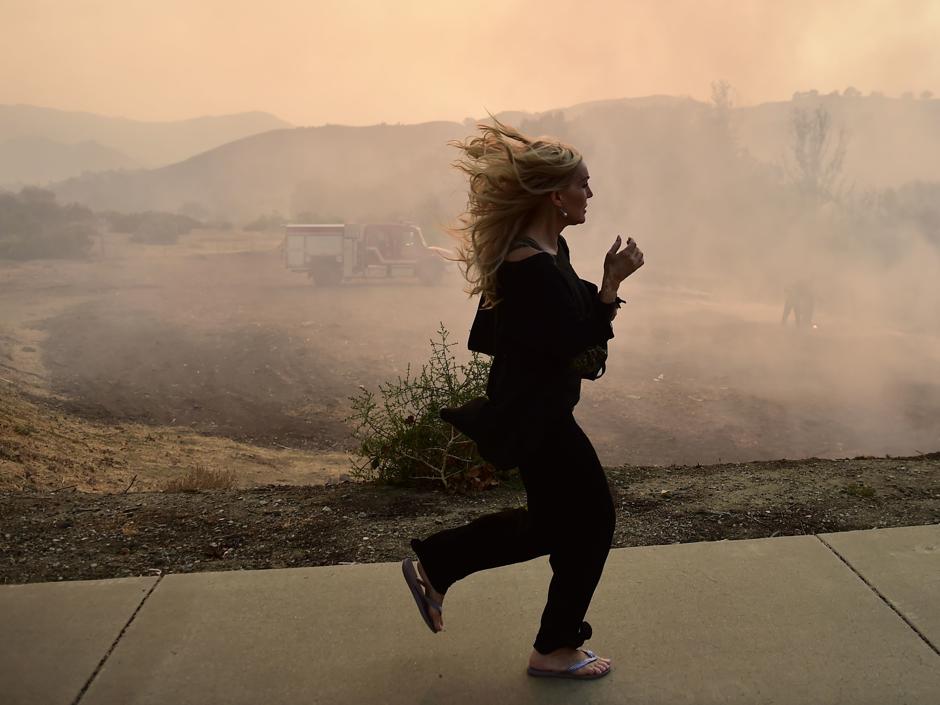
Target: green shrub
{"type": "Point", "coordinates": [401, 438]}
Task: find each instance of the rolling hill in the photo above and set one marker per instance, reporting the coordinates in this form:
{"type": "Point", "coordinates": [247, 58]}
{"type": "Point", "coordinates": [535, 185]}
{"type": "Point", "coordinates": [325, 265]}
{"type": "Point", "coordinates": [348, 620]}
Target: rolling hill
{"type": "Point", "coordinates": [649, 148]}
{"type": "Point", "coordinates": [148, 144]}
{"type": "Point", "coordinates": [39, 160]}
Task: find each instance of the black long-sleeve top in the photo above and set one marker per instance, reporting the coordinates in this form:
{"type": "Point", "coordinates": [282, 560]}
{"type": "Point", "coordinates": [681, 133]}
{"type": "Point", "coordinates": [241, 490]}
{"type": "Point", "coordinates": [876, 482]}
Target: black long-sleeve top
{"type": "Point", "coordinates": [546, 317]}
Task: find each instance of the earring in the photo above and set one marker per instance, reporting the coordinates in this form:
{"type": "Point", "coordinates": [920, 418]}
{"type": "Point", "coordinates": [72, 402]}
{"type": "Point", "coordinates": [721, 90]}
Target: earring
{"type": "Point", "coordinates": [564, 213]}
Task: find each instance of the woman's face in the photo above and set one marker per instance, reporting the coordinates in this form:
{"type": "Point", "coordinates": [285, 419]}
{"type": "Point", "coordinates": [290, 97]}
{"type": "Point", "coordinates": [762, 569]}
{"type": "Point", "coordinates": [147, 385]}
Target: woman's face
{"type": "Point", "coordinates": [575, 195]}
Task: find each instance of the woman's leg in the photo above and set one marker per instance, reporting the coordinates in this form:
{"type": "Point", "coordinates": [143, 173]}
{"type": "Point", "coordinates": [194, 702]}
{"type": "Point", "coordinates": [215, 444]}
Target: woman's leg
{"type": "Point", "coordinates": [506, 537]}
{"type": "Point", "coordinates": [498, 539]}
{"type": "Point", "coordinates": [571, 505]}
{"type": "Point", "coordinates": [570, 516]}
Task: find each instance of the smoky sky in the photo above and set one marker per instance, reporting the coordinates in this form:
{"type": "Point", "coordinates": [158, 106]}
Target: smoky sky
{"type": "Point", "coordinates": [369, 61]}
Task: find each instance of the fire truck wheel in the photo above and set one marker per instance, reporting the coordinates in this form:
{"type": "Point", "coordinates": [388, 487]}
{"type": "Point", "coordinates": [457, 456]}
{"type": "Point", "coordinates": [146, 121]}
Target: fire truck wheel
{"type": "Point", "coordinates": [327, 274]}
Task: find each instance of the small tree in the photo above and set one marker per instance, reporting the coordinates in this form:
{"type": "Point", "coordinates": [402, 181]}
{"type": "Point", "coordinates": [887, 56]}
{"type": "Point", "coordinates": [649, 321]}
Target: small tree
{"type": "Point", "coordinates": [401, 438]}
{"type": "Point", "coordinates": [722, 96]}
{"type": "Point", "coordinates": [817, 158]}
{"type": "Point", "coordinates": [720, 108]}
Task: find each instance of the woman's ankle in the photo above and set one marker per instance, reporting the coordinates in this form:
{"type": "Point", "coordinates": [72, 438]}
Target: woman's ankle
{"type": "Point", "coordinates": [422, 571]}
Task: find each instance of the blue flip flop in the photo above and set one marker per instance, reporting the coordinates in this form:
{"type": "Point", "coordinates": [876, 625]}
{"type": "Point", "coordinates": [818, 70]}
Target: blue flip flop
{"type": "Point", "coordinates": [570, 671]}
{"type": "Point", "coordinates": [421, 599]}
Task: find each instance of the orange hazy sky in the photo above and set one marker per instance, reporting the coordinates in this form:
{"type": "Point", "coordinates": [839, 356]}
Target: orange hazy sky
{"type": "Point", "coordinates": [368, 61]}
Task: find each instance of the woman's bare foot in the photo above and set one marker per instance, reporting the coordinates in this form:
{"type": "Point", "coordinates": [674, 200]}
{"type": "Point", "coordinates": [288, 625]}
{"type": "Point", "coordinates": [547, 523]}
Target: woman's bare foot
{"type": "Point", "coordinates": [561, 659]}
{"type": "Point", "coordinates": [436, 616]}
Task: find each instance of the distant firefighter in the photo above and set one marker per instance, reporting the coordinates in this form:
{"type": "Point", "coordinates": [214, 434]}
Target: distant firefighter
{"type": "Point", "coordinates": [801, 300]}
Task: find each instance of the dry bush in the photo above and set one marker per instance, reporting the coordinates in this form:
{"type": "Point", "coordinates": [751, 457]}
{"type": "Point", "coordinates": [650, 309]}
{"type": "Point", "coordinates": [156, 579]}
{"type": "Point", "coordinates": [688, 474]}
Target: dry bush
{"type": "Point", "coordinates": [199, 478]}
{"type": "Point", "coordinates": [402, 439]}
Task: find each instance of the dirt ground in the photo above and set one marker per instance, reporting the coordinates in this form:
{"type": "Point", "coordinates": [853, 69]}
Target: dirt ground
{"type": "Point", "coordinates": [124, 372]}
{"type": "Point", "coordinates": [69, 535]}
{"type": "Point", "coordinates": [220, 341]}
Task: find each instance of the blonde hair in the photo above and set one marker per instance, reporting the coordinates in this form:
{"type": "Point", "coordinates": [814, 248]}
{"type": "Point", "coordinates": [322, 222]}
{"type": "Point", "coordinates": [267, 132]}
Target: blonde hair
{"type": "Point", "coordinates": [510, 175]}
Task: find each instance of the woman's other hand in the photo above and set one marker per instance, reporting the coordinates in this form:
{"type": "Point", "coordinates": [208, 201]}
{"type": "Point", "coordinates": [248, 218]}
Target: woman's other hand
{"type": "Point", "coordinates": [618, 265]}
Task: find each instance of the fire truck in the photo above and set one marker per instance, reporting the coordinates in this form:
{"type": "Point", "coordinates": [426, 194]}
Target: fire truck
{"type": "Point", "coordinates": [331, 253]}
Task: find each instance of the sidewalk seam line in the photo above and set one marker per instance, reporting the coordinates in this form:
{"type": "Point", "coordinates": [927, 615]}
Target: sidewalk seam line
{"type": "Point", "coordinates": [878, 593]}
{"type": "Point", "coordinates": [91, 678]}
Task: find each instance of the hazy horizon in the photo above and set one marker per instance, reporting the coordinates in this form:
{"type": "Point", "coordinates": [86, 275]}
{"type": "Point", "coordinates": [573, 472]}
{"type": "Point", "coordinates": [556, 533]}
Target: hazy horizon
{"type": "Point", "coordinates": [365, 62]}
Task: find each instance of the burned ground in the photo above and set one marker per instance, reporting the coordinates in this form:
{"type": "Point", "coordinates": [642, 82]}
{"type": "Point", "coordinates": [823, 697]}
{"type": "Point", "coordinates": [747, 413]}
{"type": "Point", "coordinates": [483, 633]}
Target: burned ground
{"type": "Point", "coordinates": [124, 372]}
{"type": "Point", "coordinates": [229, 343]}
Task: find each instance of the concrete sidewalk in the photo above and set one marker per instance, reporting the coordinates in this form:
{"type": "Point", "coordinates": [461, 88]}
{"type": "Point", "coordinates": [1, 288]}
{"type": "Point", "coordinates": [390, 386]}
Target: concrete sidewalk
{"type": "Point", "coordinates": [848, 618]}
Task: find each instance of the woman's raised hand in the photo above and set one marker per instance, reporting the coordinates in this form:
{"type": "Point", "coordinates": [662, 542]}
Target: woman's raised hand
{"type": "Point", "coordinates": [620, 264]}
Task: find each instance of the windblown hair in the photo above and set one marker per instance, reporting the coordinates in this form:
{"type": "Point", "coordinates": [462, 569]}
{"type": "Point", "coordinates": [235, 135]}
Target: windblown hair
{"type": "Point", "coordinates": [510, 174]}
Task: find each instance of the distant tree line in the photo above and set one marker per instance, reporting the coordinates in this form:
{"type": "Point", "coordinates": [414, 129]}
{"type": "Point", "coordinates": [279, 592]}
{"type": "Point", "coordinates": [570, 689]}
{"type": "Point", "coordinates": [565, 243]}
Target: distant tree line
{"type": "Point", "coordinates": [266, 222]}
{"type": "Point", "coordinates": [152, 227]}
{"type": "Point", "coordinates": [815, 171]}
{"type": "Point", "coordinates": [33, 225]}
{"type": "Point", "coordinates": [853, 92]}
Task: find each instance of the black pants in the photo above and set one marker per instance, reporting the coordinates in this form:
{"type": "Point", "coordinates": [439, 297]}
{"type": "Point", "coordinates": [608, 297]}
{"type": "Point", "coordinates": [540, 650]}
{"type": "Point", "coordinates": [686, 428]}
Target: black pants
{"type": "Point", "coordinates": [570, 517]}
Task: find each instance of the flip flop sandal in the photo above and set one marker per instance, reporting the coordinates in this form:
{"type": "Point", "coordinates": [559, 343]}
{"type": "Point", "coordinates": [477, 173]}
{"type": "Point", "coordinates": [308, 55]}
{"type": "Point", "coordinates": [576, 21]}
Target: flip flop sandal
{"type": "Point", "coordinates": [421, 599]}
{"type": "Point", "coordinates": [570, 671]}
